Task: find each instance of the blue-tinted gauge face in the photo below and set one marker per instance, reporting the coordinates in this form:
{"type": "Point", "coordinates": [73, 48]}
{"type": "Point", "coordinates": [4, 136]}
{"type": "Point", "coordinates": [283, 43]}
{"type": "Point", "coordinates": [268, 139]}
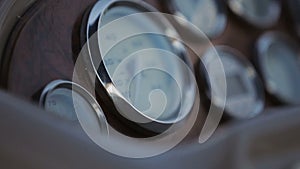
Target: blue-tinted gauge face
{"type": "Point", "coordinates": [151, 91]}
{"type": "Point", "coordinates": [283, 71]}
{"type": "Point", "coordinates": [207, 15]}
{"type": "Point", "coordinates": [63, 102]}
{"type": "Point", "coordinates": [244, 97]}
{"type": "Point", "coordinates": [72, 105]}
{"type": "Point", "coordinates": [262, 13]}
{"type": "Point", "coordinates": [235, 86]}
{"type": "Point", "coordinates": [255, 8]}
{"type": "Point", "coordinates": [60, 102]}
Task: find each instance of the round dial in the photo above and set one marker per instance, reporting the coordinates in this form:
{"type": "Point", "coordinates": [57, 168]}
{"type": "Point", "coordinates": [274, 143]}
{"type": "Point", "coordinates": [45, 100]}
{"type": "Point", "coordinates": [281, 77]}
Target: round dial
{"type": "Point", "coordinates": [245, 98]}
{"type": "Point", "coordinates": [68, 101]}
{"type": "Point", "coordinates": [260, 13]}
{"type": "Point", "coordinates": [146, 70]}
{"type": "Point", "coordinates": [278, 60]}
{"type": "Point", "coordinates": [60, 102]}
{"type": "Point", "coordinates": [146, 82]}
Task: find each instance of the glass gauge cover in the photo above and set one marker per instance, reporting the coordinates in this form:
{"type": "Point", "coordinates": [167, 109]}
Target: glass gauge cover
{"type": "Point", "coordinates": [279, 64]}
{"type": "Point", "coordinates": [140, 66]}
{"type": "Point", "coordinates": [208, 15]}
{"type": "Point", "coordinates": [260, 13]}
{"type": "Point", "coordinates": [245, 94]}
{"type": "Point", "coordinates": [68, 101]}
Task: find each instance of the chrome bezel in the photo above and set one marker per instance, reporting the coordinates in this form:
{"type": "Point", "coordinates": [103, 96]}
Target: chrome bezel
{"type": "Point", "coordinates": [261, 47]}
{"type": "Point", "coordinates": [93, 24]}
{"type": "Point", "coordinates": [252, 75]}
{"type": "Point", "coordinates": [58, 84]}
{"type": "Point", "coordinates": [267, 21]}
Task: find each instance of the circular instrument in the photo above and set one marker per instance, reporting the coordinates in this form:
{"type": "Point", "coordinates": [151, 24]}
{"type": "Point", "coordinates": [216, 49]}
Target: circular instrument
{"type": "Point", "coordinates": [260, 13]}
{"type": "Point", "coordinates": [68, 101]}
{"type": "Point", "coordinates": [278, 61]}
{"type": "Point", "coordinates": [245, 94]}
{"type": "Point", "coordinates": [142, 67]}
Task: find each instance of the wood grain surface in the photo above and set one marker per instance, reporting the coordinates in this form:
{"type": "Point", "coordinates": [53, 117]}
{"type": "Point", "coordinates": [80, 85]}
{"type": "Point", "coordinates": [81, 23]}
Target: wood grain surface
{"type": "Point", "coordinates": [43, 50]}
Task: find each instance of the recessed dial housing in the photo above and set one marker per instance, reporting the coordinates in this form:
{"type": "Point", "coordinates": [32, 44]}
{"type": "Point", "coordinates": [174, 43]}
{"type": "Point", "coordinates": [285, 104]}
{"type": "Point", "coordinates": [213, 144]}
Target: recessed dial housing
{"type": "Point", "coordinates": [70, 101]}
{"type": "Point", "coordinates": [140, 63]}
{"type": "Point", "coordinates": [279, 64]}
{"type": "Point", "coordinates": [259, 13]}
{"type": "Point", "coordinates": [245, 94]}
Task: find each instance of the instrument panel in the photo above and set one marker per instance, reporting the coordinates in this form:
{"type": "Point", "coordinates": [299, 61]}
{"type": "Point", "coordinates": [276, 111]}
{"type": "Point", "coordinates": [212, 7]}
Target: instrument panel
{"type": "Point", "coordinates": [153, 64]}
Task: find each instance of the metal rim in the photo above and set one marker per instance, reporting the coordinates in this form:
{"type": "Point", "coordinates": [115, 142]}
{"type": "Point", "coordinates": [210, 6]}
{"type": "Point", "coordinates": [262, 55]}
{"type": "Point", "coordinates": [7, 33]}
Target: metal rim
{"type": "Point", "coordinates": [255, 80]}
{"type": "Point", "coordinates": [262, 46]}
{"type": "Point", "coordinates": [58, 84]}
{"type": "Point", "coordinates": [274, 10]}
{"type": "Point", "coordinates": [94, 21]}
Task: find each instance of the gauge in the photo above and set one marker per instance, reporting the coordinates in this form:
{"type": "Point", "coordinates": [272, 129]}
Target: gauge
{"type": "Point", "coordinates": [68, 101]}
{"type": "Point", "coordinates": [143, 66]}
{"type": "Point", "coordinates": [208, 15]}
{"type": "Point", "coordinates": [294, 8]}
{"type": "Point", "coordinates": [245, 94]}
{"type": "Point", "coordinates": [260, 13]}
{"type": "Point", "coordinates": [278, 61]}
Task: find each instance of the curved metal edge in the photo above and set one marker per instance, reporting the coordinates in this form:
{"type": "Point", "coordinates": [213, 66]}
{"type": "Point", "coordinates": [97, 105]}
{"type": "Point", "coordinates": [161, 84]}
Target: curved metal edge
{"type": "Point", "coordinates": [79, 90]}
{"type": "Point", "coordinates": [94, 21]}
{"type": "Point", "coordinates": [241, 59]}
{"type": "Point", "coordinates": [261, 46]}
